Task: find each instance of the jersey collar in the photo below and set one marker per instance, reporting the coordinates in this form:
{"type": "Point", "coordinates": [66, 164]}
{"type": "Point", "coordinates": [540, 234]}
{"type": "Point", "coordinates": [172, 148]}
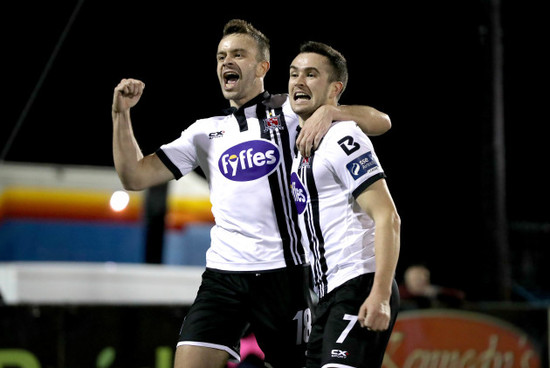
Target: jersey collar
{"type": "Point", "coordinates": [239, 113]}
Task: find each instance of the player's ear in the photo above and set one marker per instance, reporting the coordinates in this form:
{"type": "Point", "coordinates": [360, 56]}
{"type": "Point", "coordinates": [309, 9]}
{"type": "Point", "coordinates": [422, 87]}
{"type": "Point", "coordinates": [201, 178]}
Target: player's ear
{"type": "Point", "coordinates": [336, 89]}
{"type": "Point", "coordinates": [262, 68]}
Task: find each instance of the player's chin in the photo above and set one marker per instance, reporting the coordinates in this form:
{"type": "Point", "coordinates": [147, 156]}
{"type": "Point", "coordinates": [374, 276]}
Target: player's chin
{"type": "Point", "coordinates": [300, 108]}
{"type": "Point", "coordinates": [230, 94]}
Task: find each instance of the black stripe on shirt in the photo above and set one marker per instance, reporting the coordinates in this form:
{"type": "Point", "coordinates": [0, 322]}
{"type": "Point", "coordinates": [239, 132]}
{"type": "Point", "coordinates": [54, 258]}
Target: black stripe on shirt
{"type": "Point", "coordinates": [292, 221]}
{"type": "Point", "coordinates": [367, 183]}
{"type": "Point", "coordinates": [240, 112]}
{"type": "Point", "coordinates": [169, 164]}
{"type": "Point", "coordinates": [279, 184]}
{"type": "Point", "coordinates": [312, 219]}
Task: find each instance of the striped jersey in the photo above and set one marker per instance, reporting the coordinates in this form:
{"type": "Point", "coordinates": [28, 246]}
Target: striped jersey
{"type": "Point", "coordinates": [340, 235]}
{"type": "Point", "coordinates": [246, 157]}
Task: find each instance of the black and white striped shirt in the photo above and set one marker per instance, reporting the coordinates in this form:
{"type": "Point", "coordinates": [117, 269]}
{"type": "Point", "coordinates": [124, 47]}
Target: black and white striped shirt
{"type": "Point", "coordinates": [340, 235]}
{"type": "Point", "coordinates": [246, 157]}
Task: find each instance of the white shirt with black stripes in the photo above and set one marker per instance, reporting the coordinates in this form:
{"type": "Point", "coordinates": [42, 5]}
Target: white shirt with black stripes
{"type": "Point", "coordinates": [339, 234]}
{"type": "Point", "coordinates": [246, 157]}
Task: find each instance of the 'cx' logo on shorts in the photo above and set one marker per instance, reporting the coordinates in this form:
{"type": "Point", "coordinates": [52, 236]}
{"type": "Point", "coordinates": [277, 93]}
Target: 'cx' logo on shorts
{"type": "Point", "coordinates": [336, 353]}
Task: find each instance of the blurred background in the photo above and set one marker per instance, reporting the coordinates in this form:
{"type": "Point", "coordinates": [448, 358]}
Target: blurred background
{"type": "Point", "coordinates": [464, 82]}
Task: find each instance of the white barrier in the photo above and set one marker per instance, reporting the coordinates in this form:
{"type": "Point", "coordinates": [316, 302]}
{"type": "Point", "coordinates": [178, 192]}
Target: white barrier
{"type": "Point", "coordinates": [97, 283]}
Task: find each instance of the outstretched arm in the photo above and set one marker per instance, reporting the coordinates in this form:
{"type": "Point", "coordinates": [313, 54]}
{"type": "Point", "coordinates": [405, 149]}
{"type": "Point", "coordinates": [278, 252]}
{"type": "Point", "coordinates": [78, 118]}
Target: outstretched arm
{"type": "Point", "coordinates": [136, 172]}
{"type": "Point", "coordinates": [370, 120]}
{"type": "Point", "coordinates": [376, 200]}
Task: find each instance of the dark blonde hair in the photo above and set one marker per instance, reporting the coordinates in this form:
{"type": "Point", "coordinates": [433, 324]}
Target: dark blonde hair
{"type": "Point", "coordinates": [239, 26]}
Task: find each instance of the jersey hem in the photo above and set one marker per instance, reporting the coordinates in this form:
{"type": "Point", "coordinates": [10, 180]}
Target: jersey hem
{"type": "Point", "coordinates": [230, 351]}
{"type": "Point", "coordinates": [266, 270]}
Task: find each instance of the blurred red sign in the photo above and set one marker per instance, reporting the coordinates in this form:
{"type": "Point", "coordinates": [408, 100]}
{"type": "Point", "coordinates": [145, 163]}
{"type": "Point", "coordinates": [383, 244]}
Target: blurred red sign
{"type": "Point", "coordinates": [457, 339]}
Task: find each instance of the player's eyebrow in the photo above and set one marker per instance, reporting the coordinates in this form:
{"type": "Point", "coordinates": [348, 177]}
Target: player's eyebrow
{"type": "Point", "coordinates": [232, 51]}
{"type": "Point", "coordinates": [307, 68]}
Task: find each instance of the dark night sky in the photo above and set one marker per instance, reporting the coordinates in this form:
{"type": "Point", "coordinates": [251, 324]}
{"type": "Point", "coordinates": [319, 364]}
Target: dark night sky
{"type": "Point", "coordinates": [424, 63]}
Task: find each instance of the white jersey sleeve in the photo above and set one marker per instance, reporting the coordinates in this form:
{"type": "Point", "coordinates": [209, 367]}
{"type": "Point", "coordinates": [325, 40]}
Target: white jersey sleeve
{"type": "Point", "coordinates": [182, 153]}
{"type": "Point", "coordinates": [351, 157]}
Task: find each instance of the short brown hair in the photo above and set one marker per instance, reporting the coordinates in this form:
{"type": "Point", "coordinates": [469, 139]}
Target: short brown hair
{"type": "Point", "coordinates": [336, 60]}
{"type": "Point", "coordinates": [239, 26]}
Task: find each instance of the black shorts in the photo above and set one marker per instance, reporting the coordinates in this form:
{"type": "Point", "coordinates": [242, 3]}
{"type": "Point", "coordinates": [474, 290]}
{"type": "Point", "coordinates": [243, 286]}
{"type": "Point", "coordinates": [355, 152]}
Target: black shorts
{"type": "Point", "coordinates": [273, 305]}
{"type": "Point", "coordinates": [338, 338]}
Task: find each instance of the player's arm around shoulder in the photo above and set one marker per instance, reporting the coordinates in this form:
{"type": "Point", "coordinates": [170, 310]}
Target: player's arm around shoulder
{"type": "Point", "coordinates": [370, 120]}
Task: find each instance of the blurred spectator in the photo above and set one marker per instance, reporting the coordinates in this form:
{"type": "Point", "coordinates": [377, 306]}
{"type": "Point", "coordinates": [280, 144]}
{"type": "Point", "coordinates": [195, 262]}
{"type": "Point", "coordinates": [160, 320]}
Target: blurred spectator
{"type": "Point", "coordinates": [417, 291]}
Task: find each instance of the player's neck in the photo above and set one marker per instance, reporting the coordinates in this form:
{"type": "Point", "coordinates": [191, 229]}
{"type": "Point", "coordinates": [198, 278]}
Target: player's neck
{"type": "Point", "coordinates": [253, 91]}
{"type": "Point", "coordinates": [245, 101]}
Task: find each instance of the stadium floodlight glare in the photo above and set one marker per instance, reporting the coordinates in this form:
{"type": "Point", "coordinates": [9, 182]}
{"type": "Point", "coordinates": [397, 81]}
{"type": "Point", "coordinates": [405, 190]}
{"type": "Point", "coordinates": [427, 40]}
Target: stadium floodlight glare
{"type": "Point", "coordinates": [119, 200]}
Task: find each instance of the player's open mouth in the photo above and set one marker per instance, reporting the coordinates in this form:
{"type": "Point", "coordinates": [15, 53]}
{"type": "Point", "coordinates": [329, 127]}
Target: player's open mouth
{"type": "Point", "coordinates": [301, 96]}
{"type": "Point", "coordinates": [230, 78]}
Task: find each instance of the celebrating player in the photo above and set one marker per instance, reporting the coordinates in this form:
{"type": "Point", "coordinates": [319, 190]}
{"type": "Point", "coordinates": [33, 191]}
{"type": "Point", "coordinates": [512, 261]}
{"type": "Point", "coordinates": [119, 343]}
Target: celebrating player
{"type": "Point", "coordinates": [341, 195]}
{"type": "Point", "coordinates": [256, 270]}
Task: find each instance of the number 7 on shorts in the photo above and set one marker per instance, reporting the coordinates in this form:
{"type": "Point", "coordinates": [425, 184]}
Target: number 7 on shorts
{"type": "Point", "coordinates": [352, 319]}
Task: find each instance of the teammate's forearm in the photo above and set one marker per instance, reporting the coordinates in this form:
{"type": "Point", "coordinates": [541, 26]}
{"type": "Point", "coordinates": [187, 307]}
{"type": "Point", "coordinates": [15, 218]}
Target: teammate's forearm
{"type": "Point", "coordinates": [370, 120]}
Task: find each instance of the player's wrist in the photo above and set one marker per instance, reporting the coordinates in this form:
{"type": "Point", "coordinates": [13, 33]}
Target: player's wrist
{"type": "Point", "coordinates": [335, 113]}
{"type": "Point", "coordinates": [116, 110]}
